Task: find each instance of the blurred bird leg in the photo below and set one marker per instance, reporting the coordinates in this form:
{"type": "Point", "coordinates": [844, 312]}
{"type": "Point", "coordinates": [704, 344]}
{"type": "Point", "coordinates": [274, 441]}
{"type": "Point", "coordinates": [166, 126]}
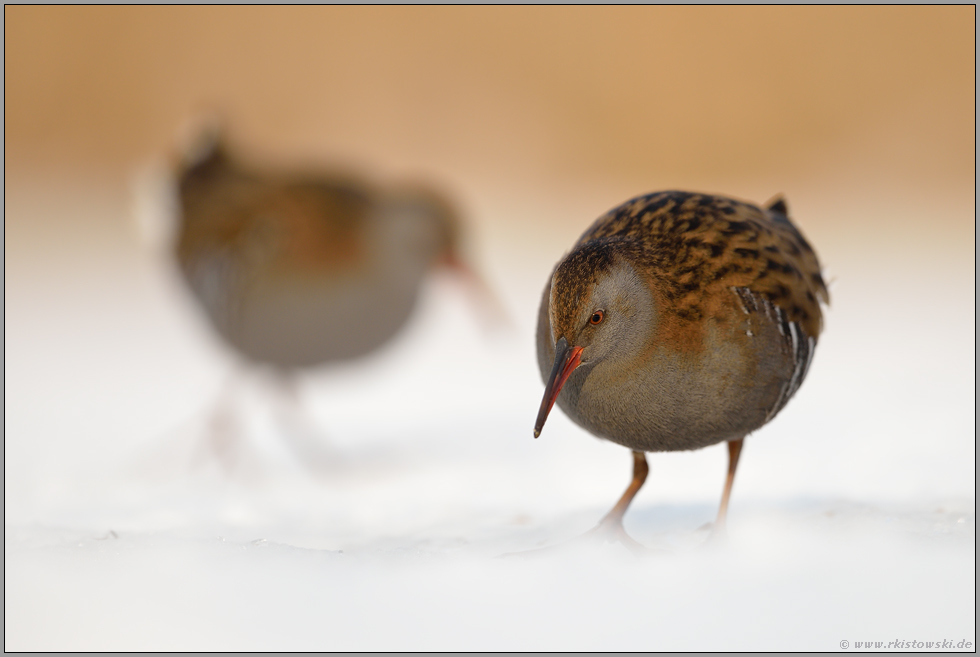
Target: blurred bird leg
{"type": "Point", "coordinates": [298, 430]}
{"type": "Point", "coordinates": [734, 450]}
{"type": "Point", "coordinates": [485, 302]}
{"type": "Point", "coordinates": [611, 526]}
{"type": "Point", "coordinates": [223, 439]}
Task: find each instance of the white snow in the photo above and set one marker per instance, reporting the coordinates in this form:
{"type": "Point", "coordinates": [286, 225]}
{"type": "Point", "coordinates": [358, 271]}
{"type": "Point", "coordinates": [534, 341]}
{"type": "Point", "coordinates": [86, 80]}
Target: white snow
{"type": "Point", "coordinates": [852, 517]}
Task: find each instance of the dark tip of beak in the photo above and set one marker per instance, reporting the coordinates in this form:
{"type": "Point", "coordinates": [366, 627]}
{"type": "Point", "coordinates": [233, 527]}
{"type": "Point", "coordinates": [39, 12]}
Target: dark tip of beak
{"type": "Point", "coordinates": [566, 360]}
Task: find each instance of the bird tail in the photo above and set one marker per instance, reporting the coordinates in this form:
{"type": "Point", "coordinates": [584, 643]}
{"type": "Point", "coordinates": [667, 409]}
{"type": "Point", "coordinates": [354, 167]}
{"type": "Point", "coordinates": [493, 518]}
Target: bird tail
{"type": "Point", "coordinates": [777, 205]}
{"type": "Point", "coordinates": [155, 204]}
{"type": "Point", "coordinates": [779, 211]}
{"type": "Point", "coordinates": [155, 184]}
{"type": "Point", "coordinates": [200, 140]}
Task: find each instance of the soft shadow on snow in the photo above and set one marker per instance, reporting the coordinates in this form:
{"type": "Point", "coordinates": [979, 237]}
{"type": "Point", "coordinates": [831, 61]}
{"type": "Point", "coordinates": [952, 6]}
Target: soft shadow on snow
{"type": "Point", "coordinates": [795, 576]}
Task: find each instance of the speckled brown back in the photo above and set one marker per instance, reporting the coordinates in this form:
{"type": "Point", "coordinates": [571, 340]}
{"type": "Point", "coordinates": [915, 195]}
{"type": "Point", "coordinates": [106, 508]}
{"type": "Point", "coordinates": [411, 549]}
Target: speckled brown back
{"type": "Point", "coordinates": [297, 223]}
{"type": "Point", "coordinates": [697, 248]}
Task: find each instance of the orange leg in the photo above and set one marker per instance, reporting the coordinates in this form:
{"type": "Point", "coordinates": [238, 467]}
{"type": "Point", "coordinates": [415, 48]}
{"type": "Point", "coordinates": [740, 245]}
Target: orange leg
{"type": "Point", "coordinates": [640, 472]}
{"type": "Point", "coordinates": [611, 526]}
{"type": "Point", "coordinates": [734, 450]}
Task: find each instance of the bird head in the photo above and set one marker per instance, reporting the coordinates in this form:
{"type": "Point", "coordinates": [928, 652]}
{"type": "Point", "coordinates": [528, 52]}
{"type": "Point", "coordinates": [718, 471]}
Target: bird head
{"type": "Point", "coordinates": [437, 234]}
{"type": "Point", "coordinates": [426, 222]}
{"type": "Point", "coordinates": [601, 313]}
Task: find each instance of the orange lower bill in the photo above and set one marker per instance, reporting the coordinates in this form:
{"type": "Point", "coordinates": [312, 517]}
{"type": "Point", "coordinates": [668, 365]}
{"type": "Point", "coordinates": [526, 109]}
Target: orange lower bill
{"type": "Point", "coordinates": [566, 360]}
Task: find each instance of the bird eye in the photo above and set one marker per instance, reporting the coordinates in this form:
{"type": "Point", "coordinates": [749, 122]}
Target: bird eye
{"type": "Point", "coordinates": [597, 317]}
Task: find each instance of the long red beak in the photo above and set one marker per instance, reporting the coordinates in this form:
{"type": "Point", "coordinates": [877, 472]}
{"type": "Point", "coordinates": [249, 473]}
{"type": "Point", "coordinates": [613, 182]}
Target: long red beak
{"type": "Point", "coordinates": [566, 360]}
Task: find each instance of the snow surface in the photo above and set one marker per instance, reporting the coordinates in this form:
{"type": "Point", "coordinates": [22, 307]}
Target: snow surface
{"type": "Point", "coordinates": [852, 518]}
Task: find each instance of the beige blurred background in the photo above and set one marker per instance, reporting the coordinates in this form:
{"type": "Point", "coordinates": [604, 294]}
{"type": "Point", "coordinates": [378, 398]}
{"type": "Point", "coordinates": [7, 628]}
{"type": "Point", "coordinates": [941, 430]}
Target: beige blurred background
{"type": "Point", "coordinates": [537, 120]}
{"type": "Point", "coordinates": [648, 95]}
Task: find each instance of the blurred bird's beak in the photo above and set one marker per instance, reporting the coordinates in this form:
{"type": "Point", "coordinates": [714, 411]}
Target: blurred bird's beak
{"type": "Point", "coordinates": [488, 307]}
{"type": "Point", "coordinates": [566, 360]}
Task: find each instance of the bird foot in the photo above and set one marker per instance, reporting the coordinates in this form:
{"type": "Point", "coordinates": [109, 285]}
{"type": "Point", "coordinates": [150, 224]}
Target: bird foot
{"type": "Point", "coordinates": [610, 530]}
{"type": "Point", "coordinates": [309, 446]}
{"type": "Point", "coordinates": [717, 533]}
